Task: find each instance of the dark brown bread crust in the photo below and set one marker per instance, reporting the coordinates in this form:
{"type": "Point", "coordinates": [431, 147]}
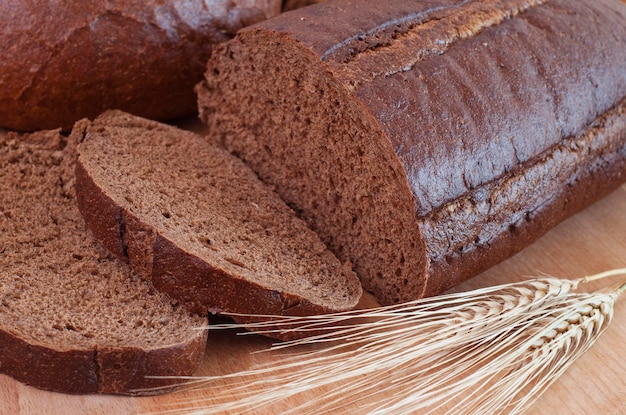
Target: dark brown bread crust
{"type": "Point", "coordinates": [497, 120]}
{"type": "Point", "coordinates": [64, 342]}
{"type": "Point", "coordinates": [297, 4]}
{"type": "Point", "coordinates": [67, 60]}
{"type": "Point", "coordinates": [106, 370]}
{"type": "Point", "coordinates": [67, 371]}
{"type": "Point", "coordinates": [181, 272]}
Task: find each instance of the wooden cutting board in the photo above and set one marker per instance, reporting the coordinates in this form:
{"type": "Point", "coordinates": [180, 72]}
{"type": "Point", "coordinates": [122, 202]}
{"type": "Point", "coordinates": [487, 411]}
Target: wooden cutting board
{"type": "Point", "coordinates": [588, 243]}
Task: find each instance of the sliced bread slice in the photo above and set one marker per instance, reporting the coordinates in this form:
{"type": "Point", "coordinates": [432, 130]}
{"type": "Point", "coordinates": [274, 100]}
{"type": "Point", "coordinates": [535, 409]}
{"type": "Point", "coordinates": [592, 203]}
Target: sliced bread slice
{"type": "Point", "coordinates": [73, 318]}
{"type": "Point", "coordinates": [200, 225]}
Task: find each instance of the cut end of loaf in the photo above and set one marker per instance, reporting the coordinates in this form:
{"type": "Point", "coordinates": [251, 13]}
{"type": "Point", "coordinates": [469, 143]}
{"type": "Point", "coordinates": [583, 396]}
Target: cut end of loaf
{"type": "Point", "coordinates": [300, 132]}
{"type": "Point", "coordinates": [200, 225]}
{"type": "Point", "coordinates": [73, 318]}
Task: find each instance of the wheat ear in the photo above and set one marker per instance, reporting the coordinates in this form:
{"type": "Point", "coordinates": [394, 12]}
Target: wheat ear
{"type": "Point", "coordinates": [506, 344]}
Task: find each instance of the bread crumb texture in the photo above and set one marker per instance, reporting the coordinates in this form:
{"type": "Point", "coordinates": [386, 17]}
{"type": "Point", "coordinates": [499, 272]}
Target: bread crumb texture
{"type": "Point", "coordinates": [214, 209]}
{"type": "Point", "coordinates": [60, 290]}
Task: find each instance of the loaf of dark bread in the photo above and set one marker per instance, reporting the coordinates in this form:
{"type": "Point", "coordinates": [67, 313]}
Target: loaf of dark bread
{"type": "Point", "coordinates": [73, 318]}
{"type": "Point", "coordinates": [426, 141]}
{"type": "Point", "coordinates": [199, 224]}
{"type": "Point", "coordinates": [65, 60]}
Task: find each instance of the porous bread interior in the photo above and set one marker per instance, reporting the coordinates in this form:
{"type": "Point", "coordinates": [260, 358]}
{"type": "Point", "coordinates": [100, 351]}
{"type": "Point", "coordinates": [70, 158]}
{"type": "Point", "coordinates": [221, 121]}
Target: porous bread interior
{"type": "Point", "coordinates": [271, 103]}
{"type": "Point", "coordinates": [211, 205]}
{"type": "Point", "coordinates": [59, 288]}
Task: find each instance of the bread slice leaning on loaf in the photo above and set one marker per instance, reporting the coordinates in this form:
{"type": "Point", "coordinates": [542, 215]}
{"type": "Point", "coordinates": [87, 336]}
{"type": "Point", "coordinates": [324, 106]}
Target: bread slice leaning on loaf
{"type": "Point", "coordinates": [199, 224]}
{"type": "Point", "coordinates": [73, 318]}
{"type": "Point", "coordinates": [427, 141]}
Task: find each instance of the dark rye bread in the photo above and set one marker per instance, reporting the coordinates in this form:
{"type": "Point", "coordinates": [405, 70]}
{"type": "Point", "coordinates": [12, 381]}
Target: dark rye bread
{"type": "Point", "coordinates": [73, 318]}
{"type": "Point", "coordinates": [427, 140]}
{"type": "Point", "coordinates": [65, 60]}
{"type": "Point", "coordinates": [199, 224]}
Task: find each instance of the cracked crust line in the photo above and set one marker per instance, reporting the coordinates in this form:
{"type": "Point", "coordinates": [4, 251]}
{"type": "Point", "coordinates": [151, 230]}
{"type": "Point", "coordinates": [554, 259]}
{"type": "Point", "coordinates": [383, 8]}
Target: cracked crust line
{"type": "Point", "coordinates": [439, 227]}
{"type": "Point", "coordinates": [96, 366]}
{"type": "Point", "coordinates": [348, 49]}
{"type": "Point", "coordinates": [121, 220]}
{"type": "Point", "coordinates": [391, 48]}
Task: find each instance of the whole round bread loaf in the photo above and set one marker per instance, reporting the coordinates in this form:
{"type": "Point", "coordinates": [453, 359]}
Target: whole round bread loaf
{"type": "Point", "coordinates": [65, 60]}
{"type": "Point", "coordinates": [428, 140]}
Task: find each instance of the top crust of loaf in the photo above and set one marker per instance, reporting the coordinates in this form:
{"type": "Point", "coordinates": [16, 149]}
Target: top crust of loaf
{"type": "Point", "coordinates": [479, 70]}
{"type": "Point", "coordinates": [73, 318]}
{"type": "Point", "coordinates": [200, 225]}
{"type": "Point", "coordinates": [63, 61]}
{"type": "Point", "coordinates": [445, 116]}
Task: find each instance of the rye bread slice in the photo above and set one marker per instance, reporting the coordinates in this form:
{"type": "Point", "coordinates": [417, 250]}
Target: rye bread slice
{"type": "Point", "coordinates": [73, 318]}
{"type": "Point", "coordinates": [199, 224]}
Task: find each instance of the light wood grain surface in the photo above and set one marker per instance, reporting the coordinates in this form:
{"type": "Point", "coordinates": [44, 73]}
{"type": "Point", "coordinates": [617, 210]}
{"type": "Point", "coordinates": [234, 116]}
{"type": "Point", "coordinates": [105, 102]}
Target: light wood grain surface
{"type": "Point", "coordinates": [590, 242]}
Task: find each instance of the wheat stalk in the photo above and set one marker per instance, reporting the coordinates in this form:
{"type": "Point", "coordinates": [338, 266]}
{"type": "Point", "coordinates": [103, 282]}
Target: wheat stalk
{"type": "Point", "coordinates": [506, 344]}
